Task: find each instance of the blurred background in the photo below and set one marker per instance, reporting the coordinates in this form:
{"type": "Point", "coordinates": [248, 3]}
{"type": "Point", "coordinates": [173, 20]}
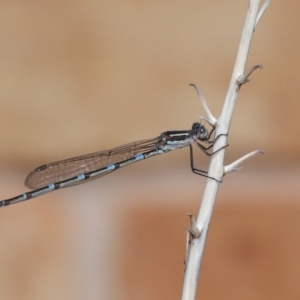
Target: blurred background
{"type": "Point", "coordinates": [78, 77]}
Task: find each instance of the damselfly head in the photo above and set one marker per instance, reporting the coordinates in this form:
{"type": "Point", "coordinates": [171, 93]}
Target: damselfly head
{"type": "Point", "coordinates": [200, 131]}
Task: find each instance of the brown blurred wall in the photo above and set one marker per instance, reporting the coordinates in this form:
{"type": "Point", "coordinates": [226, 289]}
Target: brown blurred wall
{"type": "Point", "coordinates": [77, 77]}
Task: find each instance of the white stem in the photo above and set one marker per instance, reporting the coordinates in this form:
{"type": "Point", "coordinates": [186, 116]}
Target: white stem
{"type": "Point", "coordinates": [216, 164]}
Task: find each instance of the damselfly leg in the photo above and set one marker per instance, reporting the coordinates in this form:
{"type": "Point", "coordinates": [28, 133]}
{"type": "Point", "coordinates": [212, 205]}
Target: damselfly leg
{"type": "Point", "coordinates": [205, 150]}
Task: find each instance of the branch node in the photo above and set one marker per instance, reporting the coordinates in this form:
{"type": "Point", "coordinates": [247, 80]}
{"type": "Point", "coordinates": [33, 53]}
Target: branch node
{"type": "Point", "coordinates": [191, 233]}
{"type": "Point", "coordinates": [244, 78]}
{"type": "Point", "coordinates": [234, 166]}
{"type": "Point", "coordinates": [194, 230]}
{"type": "Point", "coordinates": [210, 118]}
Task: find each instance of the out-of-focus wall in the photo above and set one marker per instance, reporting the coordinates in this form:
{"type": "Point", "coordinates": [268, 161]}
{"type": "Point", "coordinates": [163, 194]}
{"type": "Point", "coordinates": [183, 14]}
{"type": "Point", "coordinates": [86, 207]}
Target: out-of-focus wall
{"type": "Point", "coordinates": [77, 77]}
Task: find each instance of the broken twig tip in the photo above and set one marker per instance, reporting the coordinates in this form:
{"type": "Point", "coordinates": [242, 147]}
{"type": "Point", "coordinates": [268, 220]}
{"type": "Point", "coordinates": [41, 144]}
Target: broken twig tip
{"type": "Point", "coordinates": [211, 119]}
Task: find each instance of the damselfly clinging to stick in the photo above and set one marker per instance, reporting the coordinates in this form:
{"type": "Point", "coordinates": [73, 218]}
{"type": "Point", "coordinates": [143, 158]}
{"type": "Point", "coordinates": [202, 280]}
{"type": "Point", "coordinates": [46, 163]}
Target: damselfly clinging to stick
{"type": "Point", "coordinates": [81, 169]}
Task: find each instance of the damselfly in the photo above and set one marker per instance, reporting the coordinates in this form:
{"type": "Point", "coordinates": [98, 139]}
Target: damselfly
{"type": "Point", "coordinates": [81, 169]}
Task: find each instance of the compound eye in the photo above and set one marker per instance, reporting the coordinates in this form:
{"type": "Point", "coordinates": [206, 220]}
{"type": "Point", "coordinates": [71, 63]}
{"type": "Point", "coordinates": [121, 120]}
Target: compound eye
{"type": "Point", "coordinates": [195, 127]}
{"type": "Point", "coordinates": [200, 129]}
{"type": "Point", "coordinates": [202, 132]}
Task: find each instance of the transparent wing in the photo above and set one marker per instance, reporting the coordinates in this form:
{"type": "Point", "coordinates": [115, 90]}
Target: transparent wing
{"type": "Point", "coordinates": [66, 169]}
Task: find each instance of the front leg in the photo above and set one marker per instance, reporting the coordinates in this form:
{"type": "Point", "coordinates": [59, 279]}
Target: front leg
{"type": "Point", "coordinates": [205, 149]}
